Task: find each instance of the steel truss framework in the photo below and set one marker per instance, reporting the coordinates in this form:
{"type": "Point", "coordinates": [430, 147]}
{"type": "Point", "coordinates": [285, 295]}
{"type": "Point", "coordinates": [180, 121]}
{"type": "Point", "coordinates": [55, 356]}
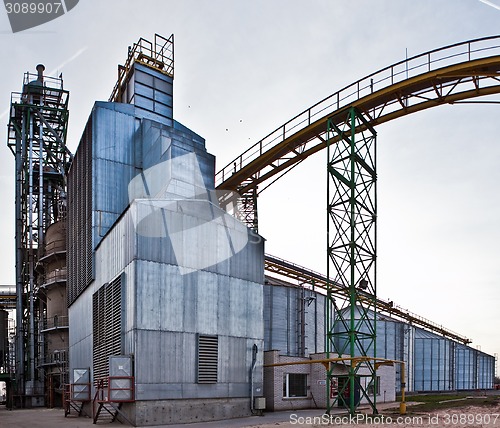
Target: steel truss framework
{"type": "Point", "coordinates": [37, 138]}
{"type": "Point", "coordinates": [446, 75]}
{"type": "Point", "coordinates": [278, 269]}
{"type": "Point", "coordinates": [351, 232]}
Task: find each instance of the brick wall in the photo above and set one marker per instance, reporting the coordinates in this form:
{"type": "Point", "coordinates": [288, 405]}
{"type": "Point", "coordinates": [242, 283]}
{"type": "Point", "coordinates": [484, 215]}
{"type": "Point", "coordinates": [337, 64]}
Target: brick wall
{"type": "Point", "coordinates": [273, 382]}
{"type": "Point", "coordinates": [316, 382]}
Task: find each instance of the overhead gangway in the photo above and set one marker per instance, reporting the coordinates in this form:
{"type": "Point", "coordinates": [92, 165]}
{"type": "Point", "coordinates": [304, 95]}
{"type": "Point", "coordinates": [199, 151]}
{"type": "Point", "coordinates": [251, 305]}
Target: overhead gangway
{"type": "Point", "coordinates": [446, 75]}
{"type": "Point", "coordinates": [307, 277]}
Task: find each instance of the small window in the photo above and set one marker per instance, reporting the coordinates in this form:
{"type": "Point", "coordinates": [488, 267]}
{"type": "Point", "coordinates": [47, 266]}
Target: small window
{"type": "Point", "coordinates": [208, 356]}
{"type": "Point", "coordinates": [294, 385]}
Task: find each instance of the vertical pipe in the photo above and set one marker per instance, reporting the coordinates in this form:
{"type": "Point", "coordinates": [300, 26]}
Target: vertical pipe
{"type": "Point", "coordinates": [31, 255]}
{"type": "Point", "coordinates": [41, 225]}
{"type": "Point", "coordinates": [288, 315]}
{"type": "Point", "coordinates": [20, 156]}
{"type": "Point", "coordinates": [271, 316]}
{"type": "Point", "coordinates": [41, 200]}
{"type": "Point", "coordinates": [255, 349]}
{"type": "Point", "coordinates": [303, 308]}
{"type": "Point", "coordinates": [315, 318]}
{"type": "Point", "coordinates": [402, 406]}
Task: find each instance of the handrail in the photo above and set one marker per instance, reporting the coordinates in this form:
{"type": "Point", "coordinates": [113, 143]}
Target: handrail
{"type": "Point", "coordinates": [385, 77]}
{"type": "Point", "coordinates": [54, 322]}
{"type": "Point", "coordinates": [98, 396]}
{"type": "Point", "coordinates": [161, 52]}
{"type": "Point", "coordinates": [321, 281]}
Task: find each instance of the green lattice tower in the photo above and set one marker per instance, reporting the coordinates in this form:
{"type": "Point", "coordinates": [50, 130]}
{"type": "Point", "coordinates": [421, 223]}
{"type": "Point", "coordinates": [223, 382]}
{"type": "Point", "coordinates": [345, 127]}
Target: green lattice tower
{"type": "Point", "coordinates": [351, 234]}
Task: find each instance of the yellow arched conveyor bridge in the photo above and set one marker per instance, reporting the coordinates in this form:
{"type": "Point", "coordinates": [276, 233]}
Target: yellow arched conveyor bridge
{"type": "Point", "coordinates": [447, 75]}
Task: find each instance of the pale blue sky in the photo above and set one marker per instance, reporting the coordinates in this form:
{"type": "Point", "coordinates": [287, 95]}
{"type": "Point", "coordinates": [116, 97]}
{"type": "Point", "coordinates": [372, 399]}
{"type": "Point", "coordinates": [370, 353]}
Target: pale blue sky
{"type": "Point", "coordinates": [248, 66]}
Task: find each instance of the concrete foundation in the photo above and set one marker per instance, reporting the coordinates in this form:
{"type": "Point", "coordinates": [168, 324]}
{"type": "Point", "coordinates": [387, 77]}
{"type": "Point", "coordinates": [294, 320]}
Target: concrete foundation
{"type": "Point", "coordinates": [167, 412]}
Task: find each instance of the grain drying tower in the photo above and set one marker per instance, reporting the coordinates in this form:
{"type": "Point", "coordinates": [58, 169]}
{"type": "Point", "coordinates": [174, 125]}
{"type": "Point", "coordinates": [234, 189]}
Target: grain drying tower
{"type": "Point", "coordinates": [158, 273]}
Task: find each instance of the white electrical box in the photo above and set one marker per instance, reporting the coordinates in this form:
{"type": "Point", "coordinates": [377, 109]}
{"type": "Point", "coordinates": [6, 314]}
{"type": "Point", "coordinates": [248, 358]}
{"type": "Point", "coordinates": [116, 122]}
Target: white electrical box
{"type": "Point", "coordinates": [259, 403]}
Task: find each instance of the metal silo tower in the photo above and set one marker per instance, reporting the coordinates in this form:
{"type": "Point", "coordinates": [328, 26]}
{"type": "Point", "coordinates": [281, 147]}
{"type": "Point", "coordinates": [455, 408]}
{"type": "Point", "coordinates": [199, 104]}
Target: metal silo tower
{"type": "Point", "coordinates": [37, 138]}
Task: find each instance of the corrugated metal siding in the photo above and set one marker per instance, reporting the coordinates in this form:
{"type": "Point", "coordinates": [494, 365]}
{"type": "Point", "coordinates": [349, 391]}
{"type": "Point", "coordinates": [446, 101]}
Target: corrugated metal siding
{"type": "Point", "coordinates": [97, 187]}
{"type": "Point", "coordinates": [201, 302]}
{"type": "Point", "coordinates": [172, 309]}
{"type": "Point", "coordinates": [466, 367]}
{"type": "Point", "coordinates": [114, 164]}
{"type": "Point", "coordinates": [486, 371]}
{"type": "Point", "coordinates": [294, 320]}
{"type": "Point", "coordinates": [433, 360]}
{"type": "Point", "coordinates": [433, 363]}
{"type": "Point", "coordinates": [391, 343]}
{"type": "Point", "coordinates": [245, 264]}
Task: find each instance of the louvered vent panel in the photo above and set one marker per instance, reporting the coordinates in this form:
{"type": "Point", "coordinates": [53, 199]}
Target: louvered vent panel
{"type": "Point", "coordinates": [107, 326]}
{"type": "Point", "coordinates": [79, 240]}
{"type": "Point", "coordinates": [208, 352]}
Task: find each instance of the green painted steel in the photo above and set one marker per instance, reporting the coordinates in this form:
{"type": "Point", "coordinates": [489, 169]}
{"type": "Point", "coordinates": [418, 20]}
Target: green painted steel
{"type": "Point", "coordinates": [351, 234]}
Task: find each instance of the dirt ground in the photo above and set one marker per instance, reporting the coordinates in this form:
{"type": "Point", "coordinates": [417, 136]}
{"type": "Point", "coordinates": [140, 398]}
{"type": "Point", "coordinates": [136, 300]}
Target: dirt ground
{"type": "Point", "coordinates": [458, 417]}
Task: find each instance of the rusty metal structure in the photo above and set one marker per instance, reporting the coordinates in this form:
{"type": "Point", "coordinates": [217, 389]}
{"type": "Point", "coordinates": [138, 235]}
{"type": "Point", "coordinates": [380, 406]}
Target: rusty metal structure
{"type": "Point", "coordinates": [37, 138]}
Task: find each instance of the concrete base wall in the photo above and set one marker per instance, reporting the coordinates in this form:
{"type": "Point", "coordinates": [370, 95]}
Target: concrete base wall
{"type": "Point", "coordinates": [168, 412]}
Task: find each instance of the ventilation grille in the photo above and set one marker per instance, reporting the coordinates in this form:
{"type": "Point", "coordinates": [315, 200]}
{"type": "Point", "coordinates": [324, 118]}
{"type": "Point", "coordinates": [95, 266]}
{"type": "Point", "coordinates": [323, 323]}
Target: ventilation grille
{"type": "Point", "coordinates": [208, 352]}
{"type": "Point", "coordinates": [107, 326]}
{"type": "Point", "coordinates": [79, 238]}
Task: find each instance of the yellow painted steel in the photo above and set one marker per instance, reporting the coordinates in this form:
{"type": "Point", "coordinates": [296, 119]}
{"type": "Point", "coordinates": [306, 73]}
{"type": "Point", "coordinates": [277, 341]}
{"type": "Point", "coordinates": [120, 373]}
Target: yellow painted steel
{"type": "Point", "coordinates": [485, 67]}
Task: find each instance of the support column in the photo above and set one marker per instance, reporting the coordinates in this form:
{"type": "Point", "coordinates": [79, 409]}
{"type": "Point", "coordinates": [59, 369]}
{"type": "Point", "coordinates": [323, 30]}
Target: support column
{"type": "Point", "coordinates": [247, 209]}
{"type": "Point", "coordinates": [351, 234]}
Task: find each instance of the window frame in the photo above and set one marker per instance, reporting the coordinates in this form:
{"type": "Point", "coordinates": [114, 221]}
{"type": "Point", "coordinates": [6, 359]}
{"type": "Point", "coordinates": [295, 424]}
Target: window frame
{"type": "Point", "coordinates": [287, 384]}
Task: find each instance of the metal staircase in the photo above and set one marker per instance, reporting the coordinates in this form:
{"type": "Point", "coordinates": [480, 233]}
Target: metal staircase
{"type": "Point", "coordinates": [110, 395]}
{"type": "Point", "coordinates": [75, 399]}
